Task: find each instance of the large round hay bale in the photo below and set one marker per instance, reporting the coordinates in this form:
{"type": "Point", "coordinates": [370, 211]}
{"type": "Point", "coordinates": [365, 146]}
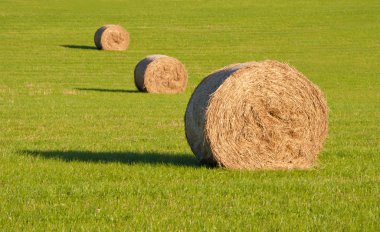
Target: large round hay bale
{"type": "Point", "coordinates": [257, 115]}
{"type": "Point", "coordinates": [160, 74]}
{"type": "Point", "coordinates": [112, 37]}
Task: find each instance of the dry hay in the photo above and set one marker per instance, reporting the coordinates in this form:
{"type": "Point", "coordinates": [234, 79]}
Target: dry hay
{"type": "Point", "coordinates": [257, 115]}
{"type": "Point", "coordinates": [160, 74]}
{"type": "Point", "coordinates": [112, 38]}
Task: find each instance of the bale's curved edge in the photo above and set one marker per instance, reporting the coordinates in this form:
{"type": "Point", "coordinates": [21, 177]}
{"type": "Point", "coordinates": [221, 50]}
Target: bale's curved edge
{"type": "Point", "coordinates": [98, 36]}
{"type": "Point", "coordinates": [239, 119]}
{"type": "Point", "coordinates": [196, 109]}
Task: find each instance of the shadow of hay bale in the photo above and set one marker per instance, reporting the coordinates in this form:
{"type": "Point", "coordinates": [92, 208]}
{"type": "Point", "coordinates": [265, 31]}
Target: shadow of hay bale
{"type": "Point", "coordinates": [84, 47]}
{"type": "Point", "coordinates": [117, 157]}
{"type": "Point", "coordinates": [108, 90]}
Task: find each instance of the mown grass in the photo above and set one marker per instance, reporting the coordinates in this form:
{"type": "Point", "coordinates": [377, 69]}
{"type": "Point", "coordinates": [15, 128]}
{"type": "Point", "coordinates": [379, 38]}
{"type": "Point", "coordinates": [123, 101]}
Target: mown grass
{"type": "Point", "coordinates": [80, 149]}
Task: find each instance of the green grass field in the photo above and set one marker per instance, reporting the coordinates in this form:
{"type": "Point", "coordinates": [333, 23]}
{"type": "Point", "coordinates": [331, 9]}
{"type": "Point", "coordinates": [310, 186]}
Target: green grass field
{"type": "Point", "coordinates": [82, 150]}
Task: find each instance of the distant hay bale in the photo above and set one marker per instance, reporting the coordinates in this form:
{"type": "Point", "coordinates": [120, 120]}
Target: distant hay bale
{"type": "Point", "coordinates": [160, 74]}
{"type": "Point", "coordinates": [112, 37]}
{"type": "Point", "coordinates": [257, 115]}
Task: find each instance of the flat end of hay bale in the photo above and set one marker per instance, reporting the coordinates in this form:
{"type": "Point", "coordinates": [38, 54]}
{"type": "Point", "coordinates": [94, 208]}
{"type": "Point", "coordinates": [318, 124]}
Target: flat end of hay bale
{"type": "Point", "coordinates": [112, 38]}
{"type": "Point", "coordinates": [160, 74]}
{"type": "Point", "coordinates": [257, 115]}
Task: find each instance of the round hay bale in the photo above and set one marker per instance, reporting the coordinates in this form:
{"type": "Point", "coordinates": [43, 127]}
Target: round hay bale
{"type": "Point", "coordinates": [257, 115]}
{"type": "Point", "coordinates": [112, 37]}
{"type": "Point", "coordinates": [160, 74]}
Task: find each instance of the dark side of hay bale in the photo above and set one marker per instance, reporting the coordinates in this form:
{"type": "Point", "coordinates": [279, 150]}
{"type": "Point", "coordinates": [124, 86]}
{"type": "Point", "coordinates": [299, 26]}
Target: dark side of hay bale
{"type": "Point", "coordinates": [160, 74]}
{"type": "Point", "coordinates": [257, 115]}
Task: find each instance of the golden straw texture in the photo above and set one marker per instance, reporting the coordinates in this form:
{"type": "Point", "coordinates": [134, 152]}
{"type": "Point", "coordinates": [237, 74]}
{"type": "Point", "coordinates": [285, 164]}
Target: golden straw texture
{"type": "Point", "coordinates": [112, 38]}
{"type": "Point", "coordinates": [257, 115]}
{"type": "Point", "coordinates": [160, 74]}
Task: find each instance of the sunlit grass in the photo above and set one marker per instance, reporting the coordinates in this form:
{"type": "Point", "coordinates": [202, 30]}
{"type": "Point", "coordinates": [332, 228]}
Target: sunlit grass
{"type": "Point", "coordinates": [80, 149]}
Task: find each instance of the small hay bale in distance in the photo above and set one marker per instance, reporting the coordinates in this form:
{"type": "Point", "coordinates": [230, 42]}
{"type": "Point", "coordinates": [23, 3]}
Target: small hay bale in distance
{"type": "Point", "coordinates": [257, 115]}
{"type": "Point", "coordinates": [160, 74]}
{"type": "Point", "coordinates": [112, 38]}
